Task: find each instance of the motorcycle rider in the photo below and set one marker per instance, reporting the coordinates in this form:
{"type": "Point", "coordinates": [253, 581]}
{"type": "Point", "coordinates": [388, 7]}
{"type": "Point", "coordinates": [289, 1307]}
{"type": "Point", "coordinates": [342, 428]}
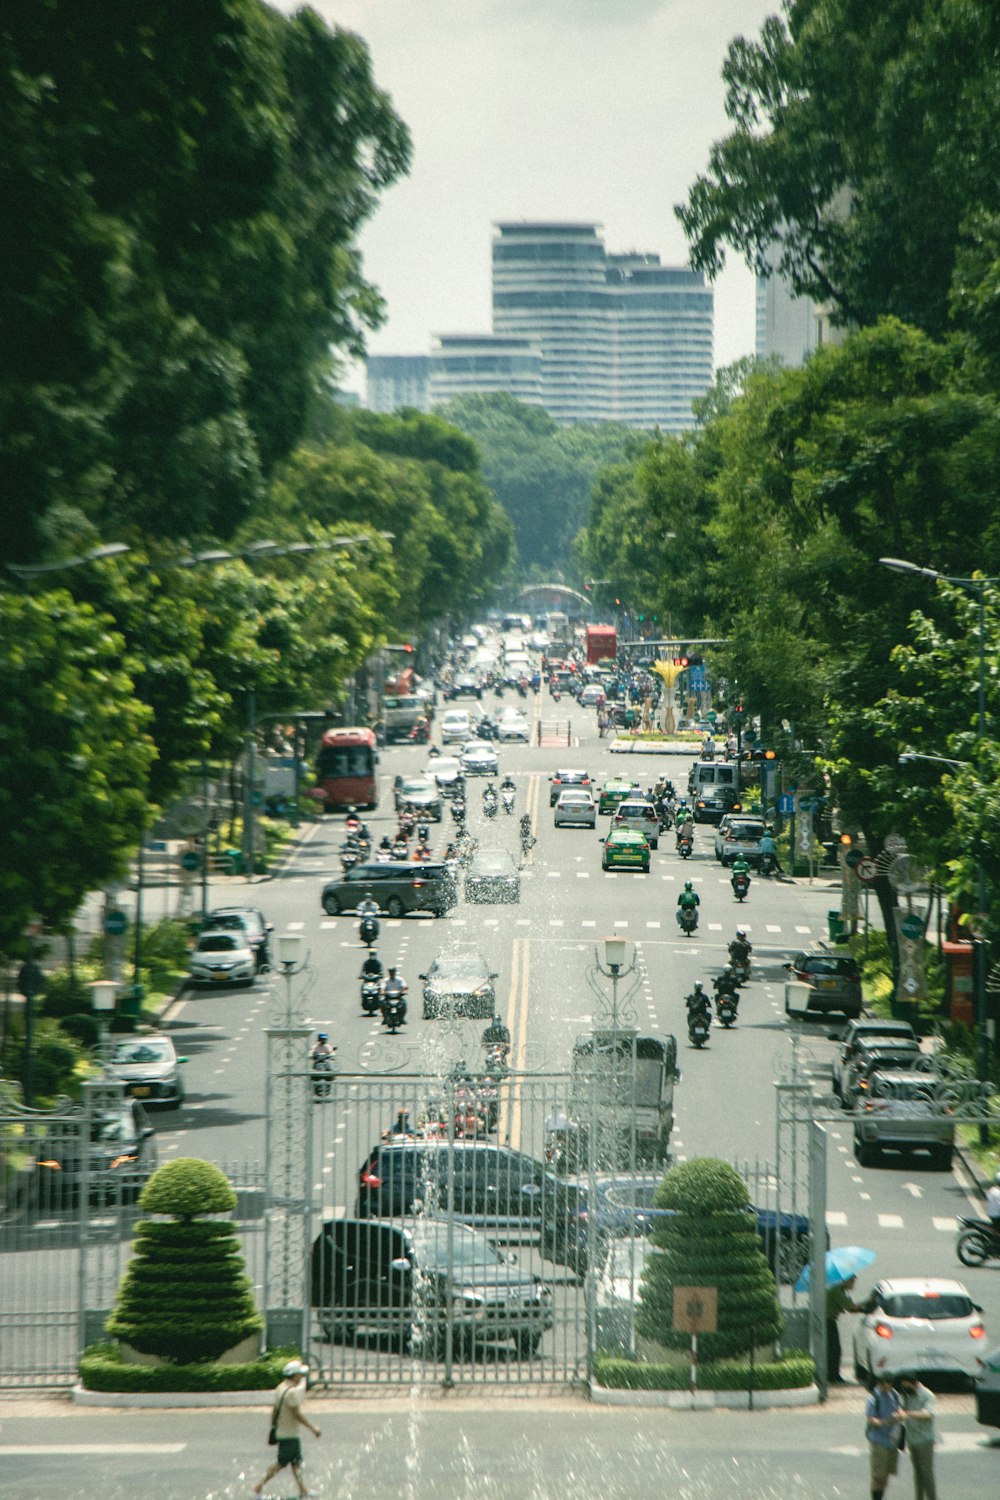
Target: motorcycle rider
{"type": "Point", "coordinates": [726, 984]}
{"type": "Point", "coordinates": [740, 869]}
{"type": "Point", "coordinates": [490, 796]}
{"type": "Point", "coordinates": [698, 1003]}
{"type": "Point", "coordinates": [372, 967]}
{"type": "Point", "coordinates": [687, 900]}
{"type": "Point", "coordinates": [394, 987]}
{"type": "Point", "coordinates": [993, 1204]}
{"type": "Point", "coordinates": [322, 1048]}
{"type": "Point", "coordinates": [740, 949]}
{"type": "Point", "coordinates": [497, 1034]}
{"type": "Point", "coordinates": [368, 907]}
{"type": "Point", "coordinates": [769, 849]}
{"type": "Point", "coordinates": [685, 824]}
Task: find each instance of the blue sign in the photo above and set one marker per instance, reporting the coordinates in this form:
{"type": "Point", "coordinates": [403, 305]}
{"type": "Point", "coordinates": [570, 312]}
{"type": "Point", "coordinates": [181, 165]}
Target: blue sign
{"type": "Point", "coordinates": [786, 803]}
{"type": "Point", "coordinates": [697, 680]}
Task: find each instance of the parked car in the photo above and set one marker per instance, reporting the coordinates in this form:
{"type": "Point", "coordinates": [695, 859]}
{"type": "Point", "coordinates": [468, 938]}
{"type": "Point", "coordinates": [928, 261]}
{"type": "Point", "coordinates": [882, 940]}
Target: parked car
{"type": "Point", "coordinates": [493, 1187]}
{"type": "Point", "coordinates": [459, 984]}
{"type": "Point", "coordinates": [987, 1389]}
{"type": "Point", "coordinates": [858, 1032]}
{"type": "Point", "coordinates": [834, 981]}
{"type": "Point", "coordinates": [148, 1066]}
{"type": "Point", "coordinates": [871, 1057]}
{"type": "Point", "coordinates": [563, 779]}
{"type": "Point", "coordinates": [422, 793]}
{"type": "Point", "coordinates": [479, 758]}
{"type": "Point", "coordinates": [401, 1281]}
{"type": "Point", "coordinates": [122, 1157]}
{"type": "Point", "coordinates": [637, 813]}
{"type": "Point", "coordinates": [223, 956]}
{"type": "Point", "coordinates": [399, 886]}
{"type": "Point", "coordinates": [625, 849]}
{"type": "Point", "coordinates": [926, 1324]}
{"type": "Point", "coordinates": [904, 1111]}
{"type": "Point", "coordinates": [575, 808]}
{"type": "Point", "coordinates": [492, 876]}
{"type": "Point", "coordinates": [253, 921]}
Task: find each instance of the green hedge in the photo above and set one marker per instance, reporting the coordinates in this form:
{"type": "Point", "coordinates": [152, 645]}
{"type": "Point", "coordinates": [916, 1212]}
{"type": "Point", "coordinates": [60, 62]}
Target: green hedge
{"type": "Point", "coordinates": [792, 1372]}
{"type": "Point", "coordinates": [102, 1369]}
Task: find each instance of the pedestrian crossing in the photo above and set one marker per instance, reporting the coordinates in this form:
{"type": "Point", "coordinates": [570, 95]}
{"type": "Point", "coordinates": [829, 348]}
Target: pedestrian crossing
{"type": "Point", "coordinates": [771, 928]}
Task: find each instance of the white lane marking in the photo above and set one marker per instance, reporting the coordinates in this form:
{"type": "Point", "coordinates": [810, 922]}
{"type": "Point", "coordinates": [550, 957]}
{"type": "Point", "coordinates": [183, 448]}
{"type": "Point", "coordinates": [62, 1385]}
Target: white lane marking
{"type": "Point", "coordinates": [946, 1226]}
{"type": "Point", "coordinates": [556, 922]}
{"type": "Point", "coordinates": [806, 930]}
{"type": "Point", "coordinates": [621, 924]}
{"type": "Point", "coordinates": [654, 924]}
{"type": "Point", "coordinates": [890, 1221]}
{"type": "Point", "coordinates": [914, 1189]}
{"type": "Point", "coordinates": [770, 927]}
{"type": "Point", "coordinates": [295, 926]}
{"type": "Point", "coordinates": [523, 922]}
{"type": "Point", "coordinates": [554, 874]}
{"type": "Point", "coordinates": [583, 874]}
{"type": "Point", "coordinates": [715, 926]}
{"type": "Point", "coordinates": [39, 1450]}
{"type": "Point", "coordinates": [835, 1219]}
{"type": "Point", "coordinates": [588, 924]}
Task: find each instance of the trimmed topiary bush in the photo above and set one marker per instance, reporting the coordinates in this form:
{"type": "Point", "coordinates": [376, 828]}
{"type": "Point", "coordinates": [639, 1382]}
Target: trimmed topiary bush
{"type": "Point", "coordinates": [710, 1241]}
{"type": "Point", "coordinates": [185, 1295]}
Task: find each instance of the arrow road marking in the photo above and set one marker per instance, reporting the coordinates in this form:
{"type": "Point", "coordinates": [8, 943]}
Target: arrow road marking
{"type": "Point", "coordinates": [912, 1187]}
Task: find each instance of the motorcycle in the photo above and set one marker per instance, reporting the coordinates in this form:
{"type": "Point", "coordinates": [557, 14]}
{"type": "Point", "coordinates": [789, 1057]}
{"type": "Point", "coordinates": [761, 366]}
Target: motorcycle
{"type": "Point", "coordinates": [698, 1029]}
{"type": "Point", "coordinates": [371, 994]}
{"type": "Point", "coordinates": [767, 865]}
{"type": "Point", "coordinates": [422, 853]}
{"type": "Point", "coordinates": [725, 1009]}
{"type": "Point", "coordinates": [393, 1010]}
{"type": "Point", "coordinates": [368, 930]}
{"type": "Point", "coordinates": [978, 1241]}
{"type": "Point", "coordinates": [685, 847]}
{"type": "Point", "coordinates": [322, 1073]}
{"type": "Point", "coordinates": [741, 886]}
{"type": "Point", "coordinates": [725, 984]}
{"type": "Point", "coordinates": [687, 918]}
{"type": "Point", "coordinates": [349, 857]}
{"type": "Point", "coordinates": [490, 804]}
{"type": "Point", "coordinates": [741, 966]}
{"type": "Point", "coordinates": [400, 849]}
{"type": "Point", "coordinates": [458, 810]}
{"type": "Point", "coordinates": [507, 798]}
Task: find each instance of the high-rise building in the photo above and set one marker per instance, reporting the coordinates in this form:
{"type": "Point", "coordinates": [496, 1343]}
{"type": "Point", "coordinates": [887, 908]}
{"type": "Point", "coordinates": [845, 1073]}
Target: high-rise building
{"type": "Point", "coordinates": [396, 380]}
{"type": "Point", "coordinates": [790, 327]}
{"type": "Point", "coordinates": [461, 363]}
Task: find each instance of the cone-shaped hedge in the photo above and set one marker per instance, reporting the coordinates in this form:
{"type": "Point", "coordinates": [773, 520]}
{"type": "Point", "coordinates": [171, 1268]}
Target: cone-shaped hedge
{"type": "Point", "coordinates": [185, 1295]}
{"type": "Point", "coordinates": [711, 1241]}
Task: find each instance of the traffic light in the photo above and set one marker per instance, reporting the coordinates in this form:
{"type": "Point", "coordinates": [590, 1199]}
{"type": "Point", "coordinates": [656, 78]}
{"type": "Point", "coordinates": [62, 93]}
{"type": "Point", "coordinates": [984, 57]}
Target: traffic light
{"type": "Point", "coordinates": [695, 661]}
{"type": "Point", "coordinates": [681, 661]}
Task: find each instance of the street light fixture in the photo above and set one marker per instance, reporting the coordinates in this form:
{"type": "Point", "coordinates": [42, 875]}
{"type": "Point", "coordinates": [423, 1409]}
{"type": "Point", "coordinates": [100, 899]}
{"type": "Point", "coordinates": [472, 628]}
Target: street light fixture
{"type": "Point", "coordinates": [96, 554]}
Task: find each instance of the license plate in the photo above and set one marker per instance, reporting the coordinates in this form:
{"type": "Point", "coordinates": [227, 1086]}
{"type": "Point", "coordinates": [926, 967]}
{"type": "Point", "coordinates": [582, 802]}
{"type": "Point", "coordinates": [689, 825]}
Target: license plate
{"type": "Point", "coordinates": [141, 1090]}
{"type": "Point", "coordinates": [220, 976]}
{"type": "Point", "coordinates": [828, 984]}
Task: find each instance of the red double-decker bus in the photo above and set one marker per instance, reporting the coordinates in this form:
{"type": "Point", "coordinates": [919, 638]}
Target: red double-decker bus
{"type": "Point", "coordinates": [345, 769]}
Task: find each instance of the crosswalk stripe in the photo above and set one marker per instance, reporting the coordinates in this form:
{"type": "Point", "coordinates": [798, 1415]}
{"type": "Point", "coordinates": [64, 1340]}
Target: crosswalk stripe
{"type": "Point", "coordinates": [835, 1219]}
{"type": "Point", "coordinates": [890, 1221]}
{"type": "Point", "coordinates": [770, 927]}
{"type": "Point", "coordinates": [805, 930]}
{"type": "Point", "coordinates": [946, 1226]}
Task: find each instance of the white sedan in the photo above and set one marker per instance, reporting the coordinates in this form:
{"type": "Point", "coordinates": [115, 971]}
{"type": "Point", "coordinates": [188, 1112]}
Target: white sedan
{"type": "Point", "coordinates": [479, 758]}
{"type": "Point", "coordinates": [576, 808]}
{"type": "Point", "coordinates": [513, 726]}
{"type": "Point", "coordinates": [927, 1324]}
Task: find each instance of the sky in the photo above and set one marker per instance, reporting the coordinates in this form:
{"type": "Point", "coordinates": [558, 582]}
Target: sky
{"type": "Point", "coordinates": [594, 110]}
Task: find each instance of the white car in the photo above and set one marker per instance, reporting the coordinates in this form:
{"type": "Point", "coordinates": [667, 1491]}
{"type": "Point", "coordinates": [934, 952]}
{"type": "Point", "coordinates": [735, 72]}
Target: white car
{"type": "Point", "coordinates": [456, 725]}
{"type": "Point", "coordinates": [479, 758]}
{"type": "Point", "coordinates": [223, 957]}
{"type": "Point", "coordinates": [926, 1324]}
{"type": "Point", "coordinates": [575, 808]}
{"type": "Point", "coordinates": [591, 695]}
{"type": "Point", "coordinates": [513, 726]}
{"type": "Point", "coordinates": [616, 1292]}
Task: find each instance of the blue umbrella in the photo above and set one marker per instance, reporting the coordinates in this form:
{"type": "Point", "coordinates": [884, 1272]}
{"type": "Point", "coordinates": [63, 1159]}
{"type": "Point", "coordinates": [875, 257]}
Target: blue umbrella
{"type": "Point", "coordinates": [841, 1265]}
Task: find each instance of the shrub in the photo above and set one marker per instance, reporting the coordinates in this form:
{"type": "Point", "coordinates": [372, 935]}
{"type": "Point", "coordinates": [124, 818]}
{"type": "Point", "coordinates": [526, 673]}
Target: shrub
{"type": "Point", "coordinates": [792, 1372]}
{"type": "Point", "coordinates": [710, 1241]}
{"type": "Point", "coordinates": [68, 994]}
{"type": "Point", "coordinates": [82, 1027]}
{"type": "Point", "coordinates": [185, 1295]}
{"type": "Point", "coordinates": [102, 1369]}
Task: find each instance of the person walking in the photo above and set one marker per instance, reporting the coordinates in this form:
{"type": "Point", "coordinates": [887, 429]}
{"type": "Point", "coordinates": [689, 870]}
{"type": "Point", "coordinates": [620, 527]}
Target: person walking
{"type": "Point", "coordinates": [287, 1417]}
{"type": "Point", "coordinates": [884, 1432]}
{"type": "Point", "coordinates": [919, 1409]}
{"type": "Point", "coordinates": [838, 1300]}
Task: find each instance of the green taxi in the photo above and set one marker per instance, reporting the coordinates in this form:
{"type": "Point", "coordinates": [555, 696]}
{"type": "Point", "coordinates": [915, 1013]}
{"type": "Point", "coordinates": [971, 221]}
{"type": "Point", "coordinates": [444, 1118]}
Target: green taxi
{"type": "Point", "coordinates": [625, 849]}
{"type": "Point", "coordinates": [613, 792]}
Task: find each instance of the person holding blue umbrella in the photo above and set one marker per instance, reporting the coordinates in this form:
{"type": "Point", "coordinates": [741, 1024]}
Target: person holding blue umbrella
{"type": "Point", "coordinates": [841, 1267]}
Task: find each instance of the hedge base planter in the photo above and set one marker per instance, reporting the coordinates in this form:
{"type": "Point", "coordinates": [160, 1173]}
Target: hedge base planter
{"type": "Point", "coordinates": [806, 1395]}
{"type": "Point", "coordinates": [245, 1352]}
{"type": "Point", "coordinates": [103, 1369]}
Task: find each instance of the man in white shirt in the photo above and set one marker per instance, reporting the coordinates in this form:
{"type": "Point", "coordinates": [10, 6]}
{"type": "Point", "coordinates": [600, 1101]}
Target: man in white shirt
{"type": "Point", "coordinates": [993, 1204]}
{"type": "Point", "coordinates": [287, 1417]}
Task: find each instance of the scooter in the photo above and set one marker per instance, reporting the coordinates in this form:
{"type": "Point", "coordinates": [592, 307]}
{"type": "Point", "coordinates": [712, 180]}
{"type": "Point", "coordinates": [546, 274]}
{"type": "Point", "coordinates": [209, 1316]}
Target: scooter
{"type": "Point", "coordinates": [725, 1009]}
{"type": "Point", "coordinates": [977, 1241]}
{"type": "Point", "coordinates": [698, 1029]}
{"type": "Point", "coordinates": [368, 930]}
{"type": "Point", "coordinates": [371, 994]}
{"type": "Point", "coordinates": [685, 847]}
{"type": "Point", "coordinates": [767, 865]}
{"type": "Point", "coordinates": [490, 805]}
{"type": "Point", "coordinates": [322, 1074]}
{"type": "Point", "coordinates": [393, 1010]}
{"type": "Point", "coordinates": [741, 887]}
{"type": "Point", "coordinates": [508, 798]}
{"type": "Point", "coordinates": [687, 919]}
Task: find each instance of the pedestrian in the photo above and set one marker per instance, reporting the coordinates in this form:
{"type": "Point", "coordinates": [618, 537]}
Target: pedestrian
{"type": "Point", "coordinates": [919, 1408]}
{"type": "Point", "coordinates": [884, 1432]}
{"type": "Point", "coordinates": [286, 1419]}
{"type": "Point", "coordinates": [838, 1300]}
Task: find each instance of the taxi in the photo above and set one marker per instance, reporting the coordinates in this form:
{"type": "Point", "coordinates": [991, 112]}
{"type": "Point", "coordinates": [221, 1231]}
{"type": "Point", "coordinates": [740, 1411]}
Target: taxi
{"type": "Point", "coordinates": [625, 849]}
{"type": "Point", "coordinates": [613, 792]}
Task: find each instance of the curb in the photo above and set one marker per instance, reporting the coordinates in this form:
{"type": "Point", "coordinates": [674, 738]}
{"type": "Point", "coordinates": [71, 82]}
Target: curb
{"type": "Point", "coordinates": [807, 1395]}
{"type": "Point", "coordinates": [642, 747]}
{"type": "Point", "coordinates": [80, 1396]}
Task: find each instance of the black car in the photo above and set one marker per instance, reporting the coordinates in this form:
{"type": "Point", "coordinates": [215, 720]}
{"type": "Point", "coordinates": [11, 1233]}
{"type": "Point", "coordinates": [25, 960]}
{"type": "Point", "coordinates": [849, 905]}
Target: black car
{"type": "Point", "coordinates": [490, 1186]}
{"type": "Point", "coordinates": [122, 1157]}
{"type": "Point", "coordinates": [625, 1206]}
{"type": "Point", "coordinates": [399, 1281]}
{"type": "Point", "coordinates": [834, 982]}
{"type": "Point", "coordinates": [459, 984]}
{"type": "Point", "coordinates": [398, 886]}
{"type": "Point", "coordinates": [492, 876]}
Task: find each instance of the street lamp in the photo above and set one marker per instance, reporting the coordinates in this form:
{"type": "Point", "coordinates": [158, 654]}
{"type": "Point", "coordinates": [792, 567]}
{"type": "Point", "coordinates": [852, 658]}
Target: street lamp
{"type": "Point", "coordinates": [96, 554]}
{"type": "Point", "coordinates": [977, 587]}
{"type": "Point", "coordinates": [104, 993]}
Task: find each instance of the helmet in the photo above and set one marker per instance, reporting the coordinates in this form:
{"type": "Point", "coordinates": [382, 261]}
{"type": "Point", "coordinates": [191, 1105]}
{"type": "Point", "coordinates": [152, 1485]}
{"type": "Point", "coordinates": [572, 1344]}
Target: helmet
{"type": "Point", "coordinates": [392, 971]}
{"type": "Point", "coordinates": [497, 1021]}
{"type": "Point", "coordinates": [741, 932]}
{"type": "Point", "coordinates": [321, 1036]}
{"type": "Point", "coordinates": [698, 987]}
{"type": "Point", "coordinates": [352, 811]}
{"type": "Point", "coordinates": [688, 886]}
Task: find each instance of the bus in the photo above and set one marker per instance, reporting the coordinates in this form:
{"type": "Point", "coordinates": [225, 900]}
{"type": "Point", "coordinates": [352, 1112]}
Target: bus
{"type": "Point", "coordinates": [345, 770]}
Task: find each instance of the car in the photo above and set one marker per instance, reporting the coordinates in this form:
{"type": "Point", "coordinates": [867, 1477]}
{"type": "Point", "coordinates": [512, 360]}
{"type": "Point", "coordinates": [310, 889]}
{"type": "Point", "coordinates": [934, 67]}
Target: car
{"type": "Point", "coordinates": [123, 1156]}
{"type": "Point", "coordinates": [834, 981]}
{"type": "Point", "coordinates": [737, 835]}
{"type": "Point", "coordinates": [446, 772]}
{"type": "Point", "coordinates": [591, 695]}
{"type": "Point", "coordinates": [479, 758]}
{"type": "Point", "coordinates": [513, 726]}
{"type": "Point", "coordinates": [879, 1055]}
{"type": "Point", "coordinates": [905, 1111]}
{"type": "Point", "coordinates": [929, 1325]}
{"type": "Point", "coordinates": [403, 1282]}
{"type": "Point", "coordinates": [617, 1287]}
{"type": "Point", "coordinates": [456, 725]}
{"type": "Point", "coordinates": [576, 808]}
{"type": "Point", "coordinates": [398, 886]}
{"type": "Point", "coordinates": [422, 794]}
{"type": "Point", "coordinates": [987, 1389]}
{"type": "Point", "coordinates": [467, 686]}
{"type": "Point", "coordinates": [148, 1066]}
{"type": "Point", "coordinates": [223, 956]}
{"type": "Point", "coordinates": [459, 984]}
{"type": "Point", "coordinates": [613, 792]}
{"type": "Point", "coordinates": [858, 1031]}
{"type": "Point", "coordinates": [253, 921]}
{"type": "Point", "coordinates": [625, 849]}
{"type": "Point", "coordinates": [563, 779]}
{"type": "Point", "coordinates": [636, 812]}
{"type": "Point", "coordinates": [492, 876]}
{"type": "Point", "coordinates": [492, 1186]}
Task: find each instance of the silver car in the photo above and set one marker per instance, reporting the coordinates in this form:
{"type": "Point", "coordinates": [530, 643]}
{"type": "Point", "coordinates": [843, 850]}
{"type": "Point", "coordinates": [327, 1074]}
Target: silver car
{"type": "Point", "coordinates": [223, 958]}
{"type": "Point", "coordinates": [479, 759]}
{"type": "Point", "coordinates": [636, 813]}
{"type": "Point", "coordinates": [148, 1067]}
{"type": "Point", "coordinates": [576, 809]}
{"type": "Point", "coordinates": [906, 1111]}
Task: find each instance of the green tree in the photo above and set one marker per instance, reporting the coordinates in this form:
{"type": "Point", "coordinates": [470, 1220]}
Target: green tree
{"type": "Point", "coordinates": [74, 759]}
{"type": "Point", "coordinates": [710, 1241]}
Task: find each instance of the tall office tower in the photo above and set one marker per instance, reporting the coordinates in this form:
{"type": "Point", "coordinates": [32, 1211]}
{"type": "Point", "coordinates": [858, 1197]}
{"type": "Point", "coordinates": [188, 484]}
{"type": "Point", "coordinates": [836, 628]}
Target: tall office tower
{"type": "Point", "coordinates": [396, 380]}
{"type": "Point", "coordinates": [463, 363]}
{"type": "Point", "coordinates": [622, 337]}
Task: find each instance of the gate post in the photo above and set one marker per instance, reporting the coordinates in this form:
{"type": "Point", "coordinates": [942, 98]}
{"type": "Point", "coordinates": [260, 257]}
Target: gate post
{"type": "Point", "coordinates": [817, 1258]}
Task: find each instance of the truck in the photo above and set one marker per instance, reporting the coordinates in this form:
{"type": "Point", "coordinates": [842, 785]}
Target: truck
{"type": "Point", "coordinates": [557, 628]}
{"type": "Point", "coordinates": [602, 644]}
{"type": "Point", "coordinates": [402, 714]}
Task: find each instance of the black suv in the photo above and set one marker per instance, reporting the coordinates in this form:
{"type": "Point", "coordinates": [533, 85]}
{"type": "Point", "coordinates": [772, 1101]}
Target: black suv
{"type": "Point", "coordinates": [396, 1281]}
{"type": "Point", "coordinates": [398, 886]}
{"type": "Point", "coordinates": [834, 981]}
{"type": "Point", "coordinates": [493, 1187]}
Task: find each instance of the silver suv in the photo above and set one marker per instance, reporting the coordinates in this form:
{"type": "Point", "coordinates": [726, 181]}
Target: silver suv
{"type": "Point", "coordinates": [636, 813]}
{"type": "Point", "coordinates": [905, 1111]}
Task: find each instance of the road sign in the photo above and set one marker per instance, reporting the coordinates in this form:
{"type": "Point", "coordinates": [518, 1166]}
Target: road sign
{"type": "Point", "coordinates": [866, 869]}
{"type": "Point", "coordinates": [912, 927]}
{"type": "Point", "coordinates": [190, 860]}
{"type": "Point", "coordinates": [696, 1309]}
{"type": "Point", "coordinates": [786, 803]}
{"type": "Point", "coordinates": [115, 923]}
{"type": "Point", "coordinates": [853, 858]}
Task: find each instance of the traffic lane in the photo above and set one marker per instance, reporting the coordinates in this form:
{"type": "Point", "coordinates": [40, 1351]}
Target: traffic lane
{"type": "Point", "coordinates": [413, 1443]}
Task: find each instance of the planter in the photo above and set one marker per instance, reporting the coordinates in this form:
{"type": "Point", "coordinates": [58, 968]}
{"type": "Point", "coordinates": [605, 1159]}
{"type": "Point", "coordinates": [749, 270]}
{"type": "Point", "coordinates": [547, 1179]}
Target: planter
{"type": "Point", "coordinates": [805, 1395]}
{"type": "Point", "coordinates": [242, 1353]}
